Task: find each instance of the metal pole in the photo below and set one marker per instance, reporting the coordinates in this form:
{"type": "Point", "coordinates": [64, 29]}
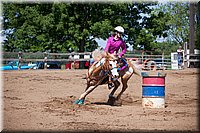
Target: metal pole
{"type": "Point", "coordinates": [19, 60]}
{"type": "Point", "coordinates": [185, 55]}
{"type": "Point", "coordinates": [45, 60]}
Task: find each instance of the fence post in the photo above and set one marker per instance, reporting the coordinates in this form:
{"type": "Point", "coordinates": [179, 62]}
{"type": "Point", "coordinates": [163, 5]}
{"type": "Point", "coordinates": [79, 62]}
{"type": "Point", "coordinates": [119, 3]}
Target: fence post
{"type": "Point", "coordinates": [185, 62]}
{"type": "Point", "coordinates": [163, 58]}
{"type": "Point", "coordinates": [19, 60]}
{"type": "Point", "coordinates": [142, 57]}
{"type": "Point", "coordinates": [45, 60]}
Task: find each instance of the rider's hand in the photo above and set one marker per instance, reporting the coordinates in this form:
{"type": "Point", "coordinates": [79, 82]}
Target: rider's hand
{"type": "Point", "coordinates": [121, 56]}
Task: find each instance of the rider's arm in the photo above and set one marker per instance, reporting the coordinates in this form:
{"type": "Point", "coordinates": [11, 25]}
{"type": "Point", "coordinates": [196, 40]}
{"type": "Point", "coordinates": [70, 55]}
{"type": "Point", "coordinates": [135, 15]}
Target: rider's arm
{"type": "Point", "coordinates": [123, 46]}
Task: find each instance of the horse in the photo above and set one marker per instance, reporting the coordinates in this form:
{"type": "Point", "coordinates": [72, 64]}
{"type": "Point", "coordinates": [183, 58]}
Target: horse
{"type": "Point", "coordinates": [105, 71]}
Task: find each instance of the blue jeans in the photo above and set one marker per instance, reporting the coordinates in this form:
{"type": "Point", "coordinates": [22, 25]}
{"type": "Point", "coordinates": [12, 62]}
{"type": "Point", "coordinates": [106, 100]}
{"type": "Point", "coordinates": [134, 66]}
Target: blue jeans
{"type": "Point", "coordinates": [180, 60]}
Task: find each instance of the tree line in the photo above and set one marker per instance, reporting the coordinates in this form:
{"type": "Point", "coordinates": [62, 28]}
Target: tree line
{"type": "Point", "coordinates": [67, 27]}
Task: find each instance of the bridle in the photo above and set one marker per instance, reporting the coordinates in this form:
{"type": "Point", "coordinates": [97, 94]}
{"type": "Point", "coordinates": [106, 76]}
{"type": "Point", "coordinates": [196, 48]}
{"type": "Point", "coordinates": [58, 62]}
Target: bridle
{"type": "Point", "coordinates": [109, 69]}
{"type": "Point", "coordinates": [106, 69]}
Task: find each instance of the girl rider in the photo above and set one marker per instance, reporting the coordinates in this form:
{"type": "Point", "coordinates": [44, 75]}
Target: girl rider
{"type": "Point", "coordinates": [114, 43]}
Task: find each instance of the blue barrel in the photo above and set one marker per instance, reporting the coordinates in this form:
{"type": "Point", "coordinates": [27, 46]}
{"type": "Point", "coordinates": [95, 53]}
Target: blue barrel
{"type": "Point", "coordinates": [153, 91]}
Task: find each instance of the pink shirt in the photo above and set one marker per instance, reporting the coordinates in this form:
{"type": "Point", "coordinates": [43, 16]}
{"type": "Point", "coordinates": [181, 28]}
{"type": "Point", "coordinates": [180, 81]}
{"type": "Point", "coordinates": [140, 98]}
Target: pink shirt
{"type": "Point", "coordinates": [114, 45]}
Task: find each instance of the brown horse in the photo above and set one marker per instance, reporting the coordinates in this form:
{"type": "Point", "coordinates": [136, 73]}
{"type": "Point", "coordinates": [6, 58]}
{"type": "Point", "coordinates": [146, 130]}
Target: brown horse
{"type": "Point", "coordinates": [102, 72]}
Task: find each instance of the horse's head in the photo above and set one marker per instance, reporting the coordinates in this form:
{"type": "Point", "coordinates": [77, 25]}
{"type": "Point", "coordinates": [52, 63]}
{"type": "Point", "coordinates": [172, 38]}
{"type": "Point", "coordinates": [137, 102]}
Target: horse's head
{"type": "Point", "coordinates": [112, 62]}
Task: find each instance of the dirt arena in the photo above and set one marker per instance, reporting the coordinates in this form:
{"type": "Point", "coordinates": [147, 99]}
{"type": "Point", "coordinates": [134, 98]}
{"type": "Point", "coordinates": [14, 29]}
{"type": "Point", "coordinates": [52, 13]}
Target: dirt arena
{"type": "Point", "coordinates": [42, 100]}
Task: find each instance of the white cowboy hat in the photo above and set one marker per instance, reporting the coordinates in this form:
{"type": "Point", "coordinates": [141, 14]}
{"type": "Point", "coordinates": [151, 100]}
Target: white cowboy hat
{"type": "Point", "coordinates": [119, 29]}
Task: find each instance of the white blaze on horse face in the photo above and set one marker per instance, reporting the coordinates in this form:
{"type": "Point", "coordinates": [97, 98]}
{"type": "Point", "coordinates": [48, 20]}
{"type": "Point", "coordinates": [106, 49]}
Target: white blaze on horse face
{"type": "Point", "coordinates": [113, 65]}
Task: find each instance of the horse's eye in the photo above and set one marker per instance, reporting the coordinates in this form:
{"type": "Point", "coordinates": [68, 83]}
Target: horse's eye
{"type": "Point", "coordinates": [111, 65]}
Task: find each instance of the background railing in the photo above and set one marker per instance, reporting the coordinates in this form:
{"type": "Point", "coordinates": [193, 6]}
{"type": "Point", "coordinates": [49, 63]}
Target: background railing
{"type": "Point", "coordinates": [150, 62]}
{"type": "Point", "coordinates": [192, 60]}
{"type": "Point", "coordinates": [147, 62]}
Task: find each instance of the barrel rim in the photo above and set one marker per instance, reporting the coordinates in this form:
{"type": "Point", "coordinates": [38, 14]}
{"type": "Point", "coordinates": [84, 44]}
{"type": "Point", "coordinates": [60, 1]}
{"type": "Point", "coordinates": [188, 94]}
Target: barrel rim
{"type": "Point", "coordinates": [153, 97]}
{"type": "Point", "coordinates": [154, 85]}
{"type": "Point", "coordinates": [154, 76]}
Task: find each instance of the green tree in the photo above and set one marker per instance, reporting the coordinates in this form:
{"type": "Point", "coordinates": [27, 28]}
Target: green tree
{"type": "Point", "coordinates": [178, 21]}
{"type": "Point", "coordinates": [154, 27]}
{"type": "Point", "coordinates": [65, 27]}
{"type": "Point", "coordinates": [192, 28]}
{"type": "Point", "coordinates": [197, 42]}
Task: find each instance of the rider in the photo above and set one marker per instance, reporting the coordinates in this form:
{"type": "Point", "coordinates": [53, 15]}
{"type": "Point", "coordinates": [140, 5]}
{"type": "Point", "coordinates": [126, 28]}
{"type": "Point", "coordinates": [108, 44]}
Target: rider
{"type": "Point", "coordinates": [180, 57]}
{"type": "Point", "coordinates": [114, 43]}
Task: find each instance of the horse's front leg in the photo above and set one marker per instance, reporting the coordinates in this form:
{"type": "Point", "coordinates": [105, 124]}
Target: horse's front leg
{"type": "Point", "coordinates": [124, 80]}
{"type": "Point", "coordinates": [90, 87]}
{"type": "Point", "coordinates": [111, 99]}
{"type": "Point", "coordinates": [116, 85]}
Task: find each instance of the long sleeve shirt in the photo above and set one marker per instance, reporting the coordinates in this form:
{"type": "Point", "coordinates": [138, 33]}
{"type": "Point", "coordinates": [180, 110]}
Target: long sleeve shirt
{"type": "Point", "coordinates": [114, 45]}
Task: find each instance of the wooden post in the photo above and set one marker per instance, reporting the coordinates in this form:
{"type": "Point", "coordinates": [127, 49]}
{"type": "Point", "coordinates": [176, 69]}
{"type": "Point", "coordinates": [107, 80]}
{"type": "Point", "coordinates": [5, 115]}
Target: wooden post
{"type": "Point", "coordinates": [185, 62]}
{"type": "Point", "coordinates": [163, 60]}
{"type": "Point", "coordinates": [19, 60]}
{"type": "Point", "coordinates": [45, 60]}
{"type": "Point", "coordinates": [142, 57]}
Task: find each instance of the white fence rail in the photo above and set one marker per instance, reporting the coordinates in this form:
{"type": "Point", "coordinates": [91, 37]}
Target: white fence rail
{"type": "Point", "coordinates": [152, 62]}
{"type": "Point", "coordinates": [147, 62]}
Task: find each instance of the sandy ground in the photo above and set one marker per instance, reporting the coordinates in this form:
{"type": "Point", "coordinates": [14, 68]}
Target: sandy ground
{"type": "Point", "coordinates": [42, 100]}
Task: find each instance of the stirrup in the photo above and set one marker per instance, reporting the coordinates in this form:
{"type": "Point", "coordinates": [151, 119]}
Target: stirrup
{"type": "Point", "coordinates": [110, 85]}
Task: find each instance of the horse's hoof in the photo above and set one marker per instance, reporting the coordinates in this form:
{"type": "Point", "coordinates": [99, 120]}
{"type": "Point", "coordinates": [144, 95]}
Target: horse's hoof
{"type": "Point", "coordinates": [117, 103]}
{"type": "Point", "coordinates": [76, 102]}
{"type": "Point", "coordinates": [81, 101]}
{"type": "Point", "coordinates": [111, 101]}
{"type": "Point", "coordinates": [114, 102]}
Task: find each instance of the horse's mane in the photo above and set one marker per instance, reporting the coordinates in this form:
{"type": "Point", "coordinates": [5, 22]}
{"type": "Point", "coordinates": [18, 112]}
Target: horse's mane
{"type": "Point", "coordinates": [97, 54]}
{"type": "Point", "coordinates": [99, 57]}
